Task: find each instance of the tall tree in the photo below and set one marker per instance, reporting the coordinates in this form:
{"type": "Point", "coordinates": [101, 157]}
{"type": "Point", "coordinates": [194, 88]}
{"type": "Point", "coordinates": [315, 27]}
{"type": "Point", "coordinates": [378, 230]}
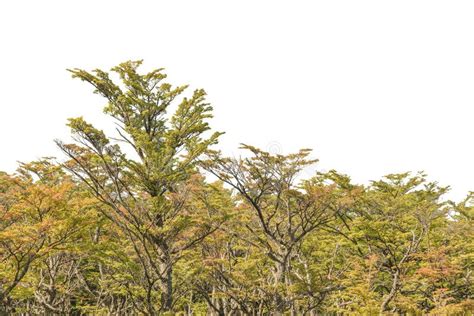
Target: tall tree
{"type": "Point", "coordinates": [147, 192]}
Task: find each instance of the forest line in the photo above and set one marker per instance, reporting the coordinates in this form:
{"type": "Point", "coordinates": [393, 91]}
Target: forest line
{"type": "Point", "coordinates": [109, 233]}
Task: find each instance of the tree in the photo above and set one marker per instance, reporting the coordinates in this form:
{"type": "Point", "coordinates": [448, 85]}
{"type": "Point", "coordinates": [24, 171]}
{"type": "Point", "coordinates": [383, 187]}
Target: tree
{"type": "Point", "coordinates": [284, 214]}
{"type": "Point", "coordinates": [39, 215]}
{"type": "Point", "coordinates": [392, 221]}
{"type": "Point", "coordinates": [146, 194]}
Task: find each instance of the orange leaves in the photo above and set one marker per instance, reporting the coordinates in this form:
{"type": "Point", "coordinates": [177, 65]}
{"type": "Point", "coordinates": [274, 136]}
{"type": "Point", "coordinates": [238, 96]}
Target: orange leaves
{"type": "Point", "coordinates": [437, 265]}
{"type": "Point", "coordinates": [38, 210]}
{"type": "Point", "coordinates": [428, 272]}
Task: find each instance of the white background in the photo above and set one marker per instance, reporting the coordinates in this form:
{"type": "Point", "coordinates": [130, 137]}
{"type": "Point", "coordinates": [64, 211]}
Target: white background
{"type": "Point", "coordinates": [374, 87]}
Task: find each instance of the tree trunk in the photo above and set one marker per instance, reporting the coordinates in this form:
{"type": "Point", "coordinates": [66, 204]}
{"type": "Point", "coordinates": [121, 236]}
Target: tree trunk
{"type": "Point", "coordinates": [279, 281]}
{"type": "Point", "coordinates": [166, 286]}
{"type": "Point", "coordinates": [391, 294]}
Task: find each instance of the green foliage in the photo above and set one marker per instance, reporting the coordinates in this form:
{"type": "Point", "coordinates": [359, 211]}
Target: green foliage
{"type": "Point", "coordinates": [130, 224]}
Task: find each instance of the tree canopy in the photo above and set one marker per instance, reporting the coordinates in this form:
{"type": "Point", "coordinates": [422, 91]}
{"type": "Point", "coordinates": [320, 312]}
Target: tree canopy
{"type": "Point", "coordinates": [154, 220]}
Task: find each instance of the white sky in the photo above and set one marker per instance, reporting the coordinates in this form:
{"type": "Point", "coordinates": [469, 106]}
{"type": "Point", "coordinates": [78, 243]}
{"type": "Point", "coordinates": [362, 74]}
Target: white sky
{"type": "Point", "coordinates": [373, 87]}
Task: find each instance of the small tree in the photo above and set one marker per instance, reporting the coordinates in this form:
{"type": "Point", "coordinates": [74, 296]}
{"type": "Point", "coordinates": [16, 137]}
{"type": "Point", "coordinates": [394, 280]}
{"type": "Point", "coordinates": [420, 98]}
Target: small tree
{"type": "Point", "coordinates": [395, 217]}
{"type": "Point", "coordinates": [284, 213]}
{"type": "Point", "coordinates": [39, 214]}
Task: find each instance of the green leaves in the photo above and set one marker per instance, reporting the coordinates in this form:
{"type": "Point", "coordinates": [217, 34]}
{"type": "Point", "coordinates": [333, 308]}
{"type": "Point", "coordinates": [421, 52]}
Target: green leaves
{"type": "Point", "coordinates": [93, 138]}
{"type": "Point", "coordinates": [146, 194]}
{"type": "Point", "coordinates": [129, 224]}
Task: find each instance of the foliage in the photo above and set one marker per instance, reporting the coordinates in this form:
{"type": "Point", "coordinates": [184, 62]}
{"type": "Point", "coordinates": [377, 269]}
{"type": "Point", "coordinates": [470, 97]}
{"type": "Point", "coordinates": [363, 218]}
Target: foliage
{"type": "Point", "coordinates": [133, 224]}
